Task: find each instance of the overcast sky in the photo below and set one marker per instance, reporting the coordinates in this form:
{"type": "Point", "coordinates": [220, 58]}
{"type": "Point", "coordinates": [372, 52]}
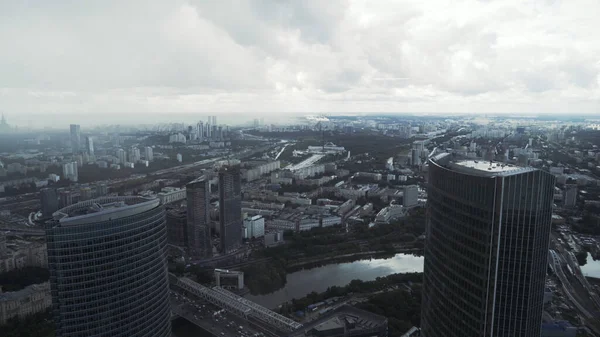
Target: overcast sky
{"type": "Point", "coordinates": [278, 56]}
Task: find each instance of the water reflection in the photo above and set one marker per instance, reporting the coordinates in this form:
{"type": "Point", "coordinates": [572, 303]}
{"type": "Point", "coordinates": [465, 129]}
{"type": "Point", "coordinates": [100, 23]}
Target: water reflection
{"type": "Point", "coordinates": [302, 282]}
{"type": "Point", "coordinates": [591, 268]}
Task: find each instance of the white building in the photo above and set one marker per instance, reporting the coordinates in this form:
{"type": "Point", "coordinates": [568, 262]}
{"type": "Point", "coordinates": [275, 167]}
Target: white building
{"type": "Point", "coordinates": [328, 148]}
{"type": "Point", "coordinates": [179, 157]}
{"type": "Point", "coordinates": [122, 155]}
{"type": "Point", "coordinates": [254, 227]}
{"type": "Point", "coordinates": [149, 154]}
{"type": "Point", "coordinates": [70, 171]}
{"type": "Point", "coordinates": [134, 154]}
{"type": "Point", "coordinates": [331, 221]}
{"type": "Point", "coordinates": [261, 170]}
{"type": "Point", "coordinates": [171, 194]}
{"type": "Point", "coordinates": [177, 138]}
{"type": "Point", "coordinates": [390, 213]}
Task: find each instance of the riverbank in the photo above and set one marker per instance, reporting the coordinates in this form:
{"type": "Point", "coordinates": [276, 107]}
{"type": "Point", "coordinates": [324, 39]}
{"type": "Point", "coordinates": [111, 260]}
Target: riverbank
{"type": "Point", "coordinates": [318, 279]}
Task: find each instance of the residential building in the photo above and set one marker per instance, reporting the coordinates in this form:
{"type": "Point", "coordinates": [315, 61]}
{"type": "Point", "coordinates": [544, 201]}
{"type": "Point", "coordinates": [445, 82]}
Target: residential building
{"type": "Point", "coordinates": [108, 268]}
{"type": "Point", "coordinates": [149, 153]}
{"type": "Point", "coordinates": [20, 304]}
{"type": "Point", "coordinates": [410, 195]}
{"type": "Point", "coordinates": [486, 249]}
{"type": "Point", "coordinates": [71, 171]}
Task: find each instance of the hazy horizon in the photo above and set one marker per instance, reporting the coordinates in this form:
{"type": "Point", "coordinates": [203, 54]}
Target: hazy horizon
{"type": "Point", "coordinates": [284, 58]}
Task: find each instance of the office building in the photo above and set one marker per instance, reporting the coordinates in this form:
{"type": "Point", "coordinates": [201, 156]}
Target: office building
{"type": "Point", "coordinates": [199, 241]}
{"type": "Point", "coordinates": [89, 145]}
{"type": "Point", "coordinates": [75, 138]}
{"type": "Point", "coordinates": [486, 248]}
{"type": "Point", "coordinates": [570, 195]}
{"type": "Point", "coordinates": [49, 201]}
{"type": "Point", "coordinates": [65, 198]}
{"type": "Point", "coordinates": [230, 208]}
{"type": "Point", "coordinates": [108, 268]}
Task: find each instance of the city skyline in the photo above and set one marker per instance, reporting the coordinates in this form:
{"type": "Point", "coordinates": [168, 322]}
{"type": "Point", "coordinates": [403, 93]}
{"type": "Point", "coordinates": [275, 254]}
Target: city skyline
{"type": "Point", "coordinates": [287, 57]}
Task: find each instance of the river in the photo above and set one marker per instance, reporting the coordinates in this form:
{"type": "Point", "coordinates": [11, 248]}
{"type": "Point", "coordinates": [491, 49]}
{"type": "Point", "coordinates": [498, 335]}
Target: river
{"type": "Point", "coordinates": [591, 268]}
{"type": "Point", "coordinates": [302, 282]}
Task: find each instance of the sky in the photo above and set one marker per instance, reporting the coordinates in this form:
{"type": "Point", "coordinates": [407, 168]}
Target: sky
{"type": "Point", "coordinates": [283, 57]}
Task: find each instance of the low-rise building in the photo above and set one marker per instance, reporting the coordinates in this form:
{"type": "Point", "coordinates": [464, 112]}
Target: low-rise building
{"type": "Point", "coordinates": [171, 194]}
{"type": "Point", "coordinates": [18, 304]}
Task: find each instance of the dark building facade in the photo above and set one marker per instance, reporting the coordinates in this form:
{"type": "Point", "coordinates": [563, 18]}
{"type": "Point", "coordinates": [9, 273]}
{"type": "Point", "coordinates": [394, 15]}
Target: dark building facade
{"type": "Point", "coordinates": [230, 208]}
{"type": "Point", "coordinates": [177, 227]}
{"type": "Point", "coordinates": [199, 242]}
{"type": "Point", "coordinates": [108, 268]}
{"type": "Point", "coordinates": [487, 238]}
{"type": "Point", "coordinates": [49, 201]}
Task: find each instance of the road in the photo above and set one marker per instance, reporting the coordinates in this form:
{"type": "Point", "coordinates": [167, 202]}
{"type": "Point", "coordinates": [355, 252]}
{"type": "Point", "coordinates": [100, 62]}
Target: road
{"type": "Point", "coordinates": [306, 163]}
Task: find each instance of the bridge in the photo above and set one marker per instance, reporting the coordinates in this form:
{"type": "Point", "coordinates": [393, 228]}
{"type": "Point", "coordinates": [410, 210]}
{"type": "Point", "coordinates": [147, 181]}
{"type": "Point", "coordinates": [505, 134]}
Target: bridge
{"type": "Point", "coordinates": [236, 304]}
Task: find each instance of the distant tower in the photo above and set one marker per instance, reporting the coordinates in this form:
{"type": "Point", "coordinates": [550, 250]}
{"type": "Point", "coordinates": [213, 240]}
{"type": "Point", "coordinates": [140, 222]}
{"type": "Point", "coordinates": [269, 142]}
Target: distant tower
{"type": "Point", "coordinates": [108, 268]}
{"type": "Point", "coordinates": [75, 138]}
{"type": "Point", "coordinates": [4, 127]}
{"type": "Point", "coordinates": [89, 144]}
{"type": "Point", "coordinates": [199, 242]}
{"type": "Point", "coordinates": [230, 208]}
{"type": "Point", "coordinates": [570, 195]}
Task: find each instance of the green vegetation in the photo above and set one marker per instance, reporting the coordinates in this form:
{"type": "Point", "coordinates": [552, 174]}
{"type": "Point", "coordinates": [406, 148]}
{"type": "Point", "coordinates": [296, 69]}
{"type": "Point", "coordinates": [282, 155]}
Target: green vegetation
{"type": "Point", "coordinates": [264, 278]}
{"type": "Point", "coordinates": [401, 307]}
{"type": "Point", "coordinates": [581, 257]}
{"type": "Point", "coordinates": [18, 279]}
{"type": "Point", "coordinates": [36, 325]}
{"type": "Point", "coordinates": [354, 287]}
{"type": "Point", "coordinates": [589, 224]}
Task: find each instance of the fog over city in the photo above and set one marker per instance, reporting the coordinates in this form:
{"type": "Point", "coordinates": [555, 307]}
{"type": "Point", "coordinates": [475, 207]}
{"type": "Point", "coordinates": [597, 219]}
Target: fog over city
{"type": "Point", "coordinates": [130, 58]}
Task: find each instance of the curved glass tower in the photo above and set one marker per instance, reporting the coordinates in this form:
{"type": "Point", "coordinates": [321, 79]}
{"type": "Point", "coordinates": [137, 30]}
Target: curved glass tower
{"type": "Point", "coordinates": [108, 270]}
{"type": "Point", "coordinates": [486, 249]}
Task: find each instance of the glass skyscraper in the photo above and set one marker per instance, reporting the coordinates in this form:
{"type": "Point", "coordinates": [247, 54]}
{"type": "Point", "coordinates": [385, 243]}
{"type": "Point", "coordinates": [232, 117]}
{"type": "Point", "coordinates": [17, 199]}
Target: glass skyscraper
{"type": "Point", "coordinates": [230, 208]}
{"type": "Point", "coordinates": [108, 269]}
{"type": "Point", "coordinates": [487, 238]}
{"type": "Point", "coordinates": [199, 242]}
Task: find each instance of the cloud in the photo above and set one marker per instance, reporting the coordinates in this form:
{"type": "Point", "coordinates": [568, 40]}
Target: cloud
{"type": "Point", "coordinates": [285, 56]}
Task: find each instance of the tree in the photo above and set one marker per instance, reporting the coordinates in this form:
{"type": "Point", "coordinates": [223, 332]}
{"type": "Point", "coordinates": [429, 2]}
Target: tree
{"type": "Point", "coordinates": [581, 257]}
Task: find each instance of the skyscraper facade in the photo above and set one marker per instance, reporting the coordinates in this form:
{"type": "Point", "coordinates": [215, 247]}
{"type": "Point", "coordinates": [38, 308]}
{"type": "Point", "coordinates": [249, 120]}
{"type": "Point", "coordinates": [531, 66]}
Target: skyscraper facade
{"type": "Point", "coordinates": [49, 201]}
{"type": "Point", "coordinates": [89, 144]}
{"type": "Point", "coordinates": [230, 208]}
{"type": "Point", "coordinates": [108, 268]}
{"type": "Point", "coordinates": [486, 248]}
{"type": "Point", "coordinates": [199, 242]}
{"type": "Point", "coordinates": [75, 138]}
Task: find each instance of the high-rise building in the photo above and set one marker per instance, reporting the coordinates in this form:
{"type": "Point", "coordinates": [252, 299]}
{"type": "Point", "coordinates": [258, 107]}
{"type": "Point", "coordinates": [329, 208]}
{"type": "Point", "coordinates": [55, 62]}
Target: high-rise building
{"type": "Point", "coordinates": [200, 131]}
{"type": "Point", "coordinates": [75, 138]}
{"type": "Point", "coordinates": [199, 241]}
{"type": "Point", "coordinates": [149, 153]}
{"type": "Point", "coordinates": [214, 120]}
{"type": "Point", "coordinates": [108, 268]}
{"type": "Point", "coordinates": [207, 132]}
{"type": "Point", "coordinates": [71, 171]}
{"type": "Point", "coordinates": [49, 201]}
{"type": "Point", "coordinates": [65, 198]}
{"type": "Point", "coordinates": [122, 155]}
{"type": "Point", "coordinates": [89, 145]}
{"type": "Point", "coordinates": [570, 195]}
{"type": "Point", "coordinates": [134, 154]}
{"type": "Point", "coordinates": [230, 208]}
{"type": "Point", "coordinates": [177, 227]}
{"type": "Point", "coordinates": [486, 248]}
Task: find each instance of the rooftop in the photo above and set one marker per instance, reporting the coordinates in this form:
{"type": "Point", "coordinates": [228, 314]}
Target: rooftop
{"type": "Point", "coordinates": [479, 167]}
{"type": "Point", "coordinates": [102, 209]}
